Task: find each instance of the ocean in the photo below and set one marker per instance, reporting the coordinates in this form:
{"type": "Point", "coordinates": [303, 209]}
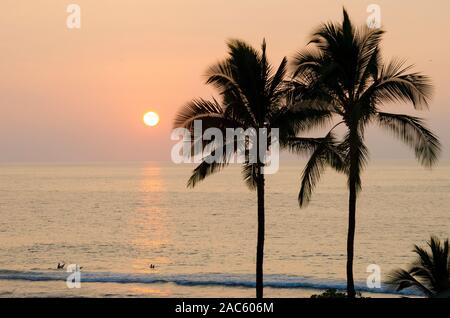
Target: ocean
{"type": "Point", "coordinates": [115, 220]}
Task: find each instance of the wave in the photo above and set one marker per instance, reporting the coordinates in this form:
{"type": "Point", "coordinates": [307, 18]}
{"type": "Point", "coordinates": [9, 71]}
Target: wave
{"type": "Point", "coordinates": [208, 279]}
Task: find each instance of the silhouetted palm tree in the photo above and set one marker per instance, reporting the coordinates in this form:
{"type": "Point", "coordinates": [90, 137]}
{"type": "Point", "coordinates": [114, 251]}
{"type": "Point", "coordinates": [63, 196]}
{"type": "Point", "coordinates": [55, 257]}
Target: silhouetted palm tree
{"type": "Point", "coordinates": [345, 69]}
{"type": "Point", "coordinates": [430, 273]}
{"type": "Point", "coordinates": [252, 96]}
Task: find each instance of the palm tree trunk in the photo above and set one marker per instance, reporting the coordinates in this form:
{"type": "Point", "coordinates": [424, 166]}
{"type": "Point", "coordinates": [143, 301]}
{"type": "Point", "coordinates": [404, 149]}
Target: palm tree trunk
{"type": "Point", "coordinates": [351, 239]}
{"type": "Point", "coordinates": [260, 239]}
{"type": "Point", "coordinates": [351, 221]}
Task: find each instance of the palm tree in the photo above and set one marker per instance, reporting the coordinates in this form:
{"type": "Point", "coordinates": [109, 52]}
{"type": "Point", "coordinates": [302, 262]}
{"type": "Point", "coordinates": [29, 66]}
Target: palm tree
{"type": "Point", "coordinates": [345, 69]}
{"type": "Point", "coordinates": [430, 273]}
{"type": "Point", "coordinates": [252, 96]}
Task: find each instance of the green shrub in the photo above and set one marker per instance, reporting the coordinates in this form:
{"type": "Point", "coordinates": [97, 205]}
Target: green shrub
{"type": "Point", "coordinates": [333, 293]}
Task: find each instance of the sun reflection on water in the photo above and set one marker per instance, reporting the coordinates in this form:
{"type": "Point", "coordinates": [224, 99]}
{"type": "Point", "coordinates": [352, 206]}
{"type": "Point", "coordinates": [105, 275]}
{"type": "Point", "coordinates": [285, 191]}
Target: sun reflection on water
{"type": "Point", "coordinates": [149, 222]}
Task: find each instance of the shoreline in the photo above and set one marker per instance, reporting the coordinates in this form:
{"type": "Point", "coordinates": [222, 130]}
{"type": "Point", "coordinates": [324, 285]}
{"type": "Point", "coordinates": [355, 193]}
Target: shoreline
{"type": "Point", "coordinates": [36, 289]}
{"type": "Point", "coordinates": [101, 284]}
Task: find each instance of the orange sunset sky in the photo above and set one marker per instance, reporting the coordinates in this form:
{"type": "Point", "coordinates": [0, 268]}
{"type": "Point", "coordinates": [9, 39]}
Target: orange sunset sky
{"type": "Point", "coordinates": [69, 95]}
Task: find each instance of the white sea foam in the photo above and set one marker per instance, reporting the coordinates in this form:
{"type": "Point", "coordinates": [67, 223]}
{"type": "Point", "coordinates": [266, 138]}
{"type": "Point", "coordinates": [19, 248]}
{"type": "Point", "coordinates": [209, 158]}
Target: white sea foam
{"type": "Point", "coordinates": [205, 279]}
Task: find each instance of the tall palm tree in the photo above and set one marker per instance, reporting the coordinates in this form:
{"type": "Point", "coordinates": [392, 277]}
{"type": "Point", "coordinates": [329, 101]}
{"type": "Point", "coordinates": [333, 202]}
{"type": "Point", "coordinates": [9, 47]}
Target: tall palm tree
{"type": "Point", "coordinates": [344, 68]}
{"type": "Point", "coordinates": [430, 273]}
{"type": "Point", "coordinates": [252, 96]}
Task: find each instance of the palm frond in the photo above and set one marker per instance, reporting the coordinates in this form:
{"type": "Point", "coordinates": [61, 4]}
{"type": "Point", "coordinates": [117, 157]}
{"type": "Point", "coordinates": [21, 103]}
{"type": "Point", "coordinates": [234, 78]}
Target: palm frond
{"type": "Point", "coordinates": [198, 109]}
{"type": "Point", "coordinates": [307, 62]}
{"type": "Point", "coordinates": [249, 174]}
{"type": "Point", "coordinates": [401, 279]}
{"type": "Point", "coordinates": [429, 273]}
{"type": "Point", "coordinates": [221, 76]}
{"type": "Point", "coordinates": [395, 83]}
{"type": "Point", "coordinates": [218, 158]}
{"type": "Point", "coordinates": [369, 59]}
{"type": "Point", "coordinates": [293, 121]}
{"type": "Point", "coordinates": [232, 81]}
{"type": "Point", "coordinates": [275, 83]}
{"type": "Point", "coordinates": [325, 153]}
{"type": "Point", "coordinates": [203, 170]}
{"type": "Point", "coordinates": [249, 72]}
{"type": "Point", "coordinates": [303, 145]}
{"type": "Point", "coordinates": [415, 134]}
{"type": "Point", "coordinates": [439, 272]}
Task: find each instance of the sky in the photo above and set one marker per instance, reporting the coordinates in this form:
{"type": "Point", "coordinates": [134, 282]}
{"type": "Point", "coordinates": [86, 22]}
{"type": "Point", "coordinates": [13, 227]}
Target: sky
{"type": "Point", "coordinates": [78, 95]}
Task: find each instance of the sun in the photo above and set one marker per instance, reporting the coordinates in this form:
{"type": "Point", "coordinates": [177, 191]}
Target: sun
{"type": "Point", "coordinates": [151, 119]}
